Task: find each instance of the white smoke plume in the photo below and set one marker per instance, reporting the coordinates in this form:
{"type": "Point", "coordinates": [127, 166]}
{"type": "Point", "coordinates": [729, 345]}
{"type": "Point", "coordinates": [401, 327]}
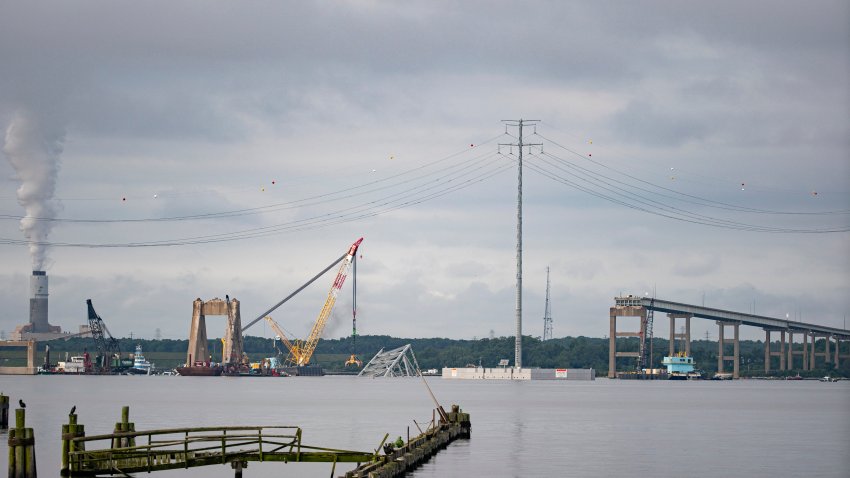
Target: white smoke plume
{"type": "Point", "coordinates": [33, 146]}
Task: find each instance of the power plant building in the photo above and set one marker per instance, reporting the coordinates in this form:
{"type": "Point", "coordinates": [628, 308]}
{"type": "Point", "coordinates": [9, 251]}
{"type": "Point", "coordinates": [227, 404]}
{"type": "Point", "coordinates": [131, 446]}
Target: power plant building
{"type": "Point", "coordinates": [38, 327]}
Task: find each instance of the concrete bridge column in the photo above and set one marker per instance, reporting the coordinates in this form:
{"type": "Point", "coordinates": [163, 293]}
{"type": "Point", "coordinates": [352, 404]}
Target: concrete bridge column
{"type": "Point", "coordinates": [720, 341]}
{"type": "Point", "coordinates": [685, 337]}
{"type": "Point", "coordinates": [812, 357]}
{"type": "Point", "coordinates": [623, 311]}
{"type": "Point", "coordinates": [835, 355]}
{"type": "Point", "coordinates": [805, 350]}
{"type": "Point", "coordinates": [672, 335]}
{"type": "Point", "coordinates": [838, 355]}
{"type": "Point", "coordinates": [736, 352]}
{"type": "Point", "coordinates": [790, 350]}
{"type": "Point", "coordinates": [827, 338]}
{"type": "Point", "coordinates": [766, 350]}
{"type": "Point", "coordinates": [770, 351]}
{"type": "Point", "coordinates": [198, 349]}
{"type": "Point", "coordinates": [721, 347]}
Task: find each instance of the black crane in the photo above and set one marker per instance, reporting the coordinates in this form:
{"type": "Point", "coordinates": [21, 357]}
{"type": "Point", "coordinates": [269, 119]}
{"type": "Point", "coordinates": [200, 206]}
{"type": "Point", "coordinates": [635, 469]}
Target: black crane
{"type": "Point", "coordinates": [107, 345]}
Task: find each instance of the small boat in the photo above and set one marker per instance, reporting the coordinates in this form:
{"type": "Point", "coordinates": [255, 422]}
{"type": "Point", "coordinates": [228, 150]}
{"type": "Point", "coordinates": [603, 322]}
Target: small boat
{"type": "Point", "coordinates": [828, 379]}
{"type": "Point", "coordinates": [140, 365]}
{"type": "Point", "coordinates": [77, 365]}
{"type": "Point", "coordinates": [681, 367]}
{"type": "Point", "coordinates": [795, 377]}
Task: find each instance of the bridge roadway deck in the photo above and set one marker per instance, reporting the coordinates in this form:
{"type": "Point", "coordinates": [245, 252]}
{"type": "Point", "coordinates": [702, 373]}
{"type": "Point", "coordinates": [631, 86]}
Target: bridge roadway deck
{"type": "Point", "coordinates": [746, 319]}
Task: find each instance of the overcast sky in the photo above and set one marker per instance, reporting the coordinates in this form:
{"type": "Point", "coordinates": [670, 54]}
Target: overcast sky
{"type": "Point", "coordinates": [329, 121]}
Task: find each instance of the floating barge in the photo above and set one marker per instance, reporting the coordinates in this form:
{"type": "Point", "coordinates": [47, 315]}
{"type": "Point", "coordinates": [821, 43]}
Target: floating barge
{"type": "Point", "coordinates": [509, 373]}
{"type": "Point", "coordinates": [200, 371]}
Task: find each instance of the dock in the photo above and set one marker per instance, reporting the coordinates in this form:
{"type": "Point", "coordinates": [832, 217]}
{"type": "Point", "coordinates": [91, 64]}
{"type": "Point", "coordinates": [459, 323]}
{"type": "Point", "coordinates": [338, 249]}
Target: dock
{"type": "Point", "coordinates": [126, 451]}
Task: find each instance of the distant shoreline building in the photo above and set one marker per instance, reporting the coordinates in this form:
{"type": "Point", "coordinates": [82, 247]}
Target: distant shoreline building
{"type": "Point", "coordinates": [38, 327]}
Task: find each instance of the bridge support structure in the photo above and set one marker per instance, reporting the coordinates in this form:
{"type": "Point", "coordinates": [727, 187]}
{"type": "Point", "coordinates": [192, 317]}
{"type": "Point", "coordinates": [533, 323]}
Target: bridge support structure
{"type": "Point", "coordinates": [686, 336]}
{"type": "Point", "coordinates": [804, 352]}
{"type": "Point", "coordinates": [838, 356]}
{"type": "Point", "coordinates": [815, 354]}
{"type": "Point", "coordinates": [623, 311]}
{"type": "Point", "coordinates": [768, 353]}
{"type": "Point", "coordinates": [233, 344]}
{"type": "Point", "coordinates": [721, 347]}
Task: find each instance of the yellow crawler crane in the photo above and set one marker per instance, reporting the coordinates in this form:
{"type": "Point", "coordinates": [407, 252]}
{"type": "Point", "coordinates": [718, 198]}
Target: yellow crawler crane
{"type": "Point", "coordinates": [300, 351]}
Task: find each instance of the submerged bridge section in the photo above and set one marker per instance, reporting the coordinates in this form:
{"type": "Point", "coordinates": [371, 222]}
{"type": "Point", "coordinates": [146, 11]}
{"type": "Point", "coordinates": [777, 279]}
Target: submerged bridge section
{"type": "Point", "coordinates": [643, 307]}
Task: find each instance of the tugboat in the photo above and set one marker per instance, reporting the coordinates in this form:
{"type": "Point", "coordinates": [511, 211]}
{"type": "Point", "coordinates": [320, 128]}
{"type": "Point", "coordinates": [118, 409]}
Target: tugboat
{"type": "Point", "coordinates": [681, 367]}
{"type": "Point", "coordinates": [140, 365]}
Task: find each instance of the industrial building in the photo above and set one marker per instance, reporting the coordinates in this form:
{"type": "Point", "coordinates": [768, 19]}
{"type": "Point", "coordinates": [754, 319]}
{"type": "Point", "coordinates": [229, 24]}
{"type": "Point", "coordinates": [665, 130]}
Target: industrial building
{"type": "Point", "coordinates": [38, 327]}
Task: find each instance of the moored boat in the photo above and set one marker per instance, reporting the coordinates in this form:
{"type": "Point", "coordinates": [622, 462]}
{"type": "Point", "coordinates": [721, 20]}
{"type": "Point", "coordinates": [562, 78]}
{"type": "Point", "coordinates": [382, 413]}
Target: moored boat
{"type": "Point", "coordinates": [681, 367]}
{"type": "Point", "coordinates": [140, 365]}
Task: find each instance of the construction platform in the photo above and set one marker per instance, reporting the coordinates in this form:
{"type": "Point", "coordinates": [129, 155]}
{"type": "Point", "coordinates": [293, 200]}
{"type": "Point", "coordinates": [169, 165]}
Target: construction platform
{"type": "Point", "coordinates": [509, 373]}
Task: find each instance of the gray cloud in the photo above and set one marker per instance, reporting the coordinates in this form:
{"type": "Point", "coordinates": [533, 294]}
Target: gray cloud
{"type": "Point", "coordinates": [206, 104]}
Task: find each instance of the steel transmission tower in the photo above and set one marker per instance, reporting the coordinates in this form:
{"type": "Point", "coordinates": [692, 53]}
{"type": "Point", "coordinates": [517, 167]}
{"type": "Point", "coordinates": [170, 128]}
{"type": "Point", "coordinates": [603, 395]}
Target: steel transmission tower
{"type": "Point", "coordinates": [547, 313]}
{"type": "Point", "coordinates": [520, 145]}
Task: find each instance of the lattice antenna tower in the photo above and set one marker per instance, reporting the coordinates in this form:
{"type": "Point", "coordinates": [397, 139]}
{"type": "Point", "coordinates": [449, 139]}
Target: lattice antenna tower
{"type": "Point", "coordinates": [547, 313]}
{"type": "Point", "coordinates": [520, 147]}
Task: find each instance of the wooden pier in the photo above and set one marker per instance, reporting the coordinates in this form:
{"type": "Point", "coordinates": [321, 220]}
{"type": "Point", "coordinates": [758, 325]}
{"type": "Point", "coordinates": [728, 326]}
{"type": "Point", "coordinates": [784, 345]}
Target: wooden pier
{"type": "Point", "coordinates": [398, 461]}
{"type": "Point", "coordinates": [127, 451]}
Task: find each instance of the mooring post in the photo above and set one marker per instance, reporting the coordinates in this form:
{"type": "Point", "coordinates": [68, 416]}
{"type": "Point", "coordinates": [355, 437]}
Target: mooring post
{"type": "Point", "coordinates": [4, 411]}
{"type": "Point", "coordinates": [124, 426]}
{"type": "Point", "coordinates": [237, 467]}
{"type": "Point", "coordinates": [21, 448]}
{"type": "Point", "coordinates": [70, 431]}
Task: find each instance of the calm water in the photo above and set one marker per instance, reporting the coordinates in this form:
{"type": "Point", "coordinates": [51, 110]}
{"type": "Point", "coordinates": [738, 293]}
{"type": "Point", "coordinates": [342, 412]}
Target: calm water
{"type": "Point", "coordinates": [595, 429]}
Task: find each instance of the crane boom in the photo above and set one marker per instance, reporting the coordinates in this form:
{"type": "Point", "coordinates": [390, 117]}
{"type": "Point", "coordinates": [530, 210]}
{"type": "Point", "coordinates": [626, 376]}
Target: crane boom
{"type": "Point", "coordinates": [107, 347]}
{"type": "Point", "coordinates": [277, 330]}
{"type": "Point", "coordinates": [320, 274]}
{"type": "Point", "coordinates": [307, 347]}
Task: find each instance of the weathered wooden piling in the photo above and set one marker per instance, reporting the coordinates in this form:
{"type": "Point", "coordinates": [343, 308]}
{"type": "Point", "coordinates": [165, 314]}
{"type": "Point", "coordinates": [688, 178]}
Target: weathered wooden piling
{"type": "Point", "coordinates": [124, 426]}
{"type": "Point", "coordinates": [70, 431]}
{"type": "Point", "coordinates": [21, 448]}
{"type": "Point", "coordinates": [4, 411]}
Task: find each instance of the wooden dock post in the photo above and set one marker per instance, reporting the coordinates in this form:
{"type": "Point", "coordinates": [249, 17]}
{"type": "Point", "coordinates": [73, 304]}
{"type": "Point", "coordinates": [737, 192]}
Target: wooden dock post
{"type": "Point", "coordinates": [21, 448]}
{"type": "Point", "coordinates": [4, 412]}
{"type": "Point", "coordinates": [70, 431]}
{"type": "Point", "coordinates": [124, 426]}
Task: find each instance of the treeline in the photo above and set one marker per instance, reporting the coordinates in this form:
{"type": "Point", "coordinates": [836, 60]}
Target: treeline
{"type": "Point", "coordinates": [566, 352]}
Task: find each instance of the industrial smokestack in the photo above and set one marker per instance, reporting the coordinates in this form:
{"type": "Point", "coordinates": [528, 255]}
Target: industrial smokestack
{"type": "Point", "coordinates": [38, 302]}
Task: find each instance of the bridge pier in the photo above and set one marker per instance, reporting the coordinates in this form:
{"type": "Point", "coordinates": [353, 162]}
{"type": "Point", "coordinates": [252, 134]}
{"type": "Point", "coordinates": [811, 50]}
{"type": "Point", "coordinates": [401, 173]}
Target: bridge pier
{"type": "Point", "coordinates": [803, 352]}
{"type": "Point", "coordinates": [623, 311]}
{"type": "Point", "coordinates": [838, 355]}
{"type": "Point", "coordinates": [768, 353]}
{"type": "Point", "coordinates": [815, 354]}
{"type": "Point", "coordinates": [721, 342]}
{"type": "Point", "coordinates": [686, 337]}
